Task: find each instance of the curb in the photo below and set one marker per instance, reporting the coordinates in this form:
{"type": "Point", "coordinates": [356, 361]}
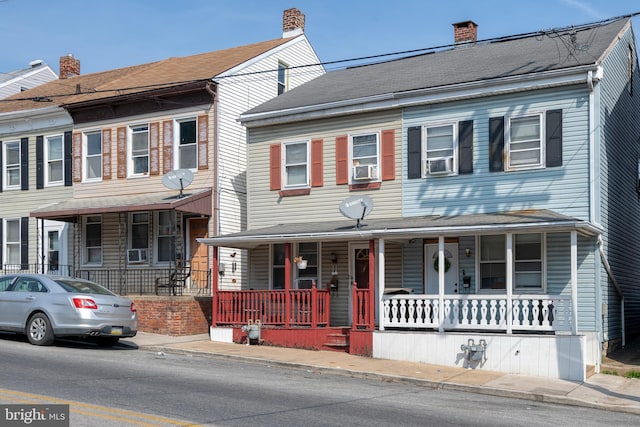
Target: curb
{"type": "Point", "coordinates": [436, 385]}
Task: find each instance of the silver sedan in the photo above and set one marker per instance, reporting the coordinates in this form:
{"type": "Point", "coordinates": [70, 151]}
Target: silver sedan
{"type": "Point", "coordinates": [45, 307]}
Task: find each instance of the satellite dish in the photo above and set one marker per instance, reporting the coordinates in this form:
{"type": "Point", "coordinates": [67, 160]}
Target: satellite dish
{"type": "Point", "coordinates": [356, 207]}
{"type": "Point", "coordinates": [178, 179]}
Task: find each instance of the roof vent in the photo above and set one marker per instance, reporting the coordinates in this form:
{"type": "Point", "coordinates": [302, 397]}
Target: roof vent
{"type": "Point", "coordinates": [35, 63]}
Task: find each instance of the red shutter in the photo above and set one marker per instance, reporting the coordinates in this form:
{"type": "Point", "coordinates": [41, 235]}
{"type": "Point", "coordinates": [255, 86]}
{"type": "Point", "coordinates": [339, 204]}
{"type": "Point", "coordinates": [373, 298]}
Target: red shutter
{"type": "Point", "coordinates": [77, 157]}
{"type": "Point", "coordinates": [342, 160]}
{"type": "Point", "coordinates": [388, 155]}
{"type": "Point", "coordinates": [122, 152]}
{"type": "Point", "coordinates": [317, 169]}
{"type": "Point", "coordinates": [203, 142]}
{"type": "Point", "coordinates": [167, 146]}
{"type": "Point", "coordinates": [274, 166]}
{"type": "Point", "coordinates": [154, 146]}
{"type": "Point", "coordinates": [106, 154]}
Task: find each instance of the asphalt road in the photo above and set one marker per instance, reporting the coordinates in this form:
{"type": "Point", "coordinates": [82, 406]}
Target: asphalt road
{"type": "Point", "coordinates": [126, 387]}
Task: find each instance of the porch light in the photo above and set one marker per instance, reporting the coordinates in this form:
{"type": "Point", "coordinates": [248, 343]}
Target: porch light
{"type": "Point", "coordinates": [467, 252]}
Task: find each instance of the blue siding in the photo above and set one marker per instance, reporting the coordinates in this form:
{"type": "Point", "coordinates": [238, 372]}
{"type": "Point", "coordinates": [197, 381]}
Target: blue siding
{"type": "Point", "coordinates": [562, 189]}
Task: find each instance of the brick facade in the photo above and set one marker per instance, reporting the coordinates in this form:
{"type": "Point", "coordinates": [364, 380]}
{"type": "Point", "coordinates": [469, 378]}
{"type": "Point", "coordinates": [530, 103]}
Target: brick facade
{"type": "Point", "coordinates": [175, 316]}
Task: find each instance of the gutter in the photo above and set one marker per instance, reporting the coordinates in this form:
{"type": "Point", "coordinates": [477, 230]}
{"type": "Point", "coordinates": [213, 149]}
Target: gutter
{"type": "Point", "coordinates": [422, 96]}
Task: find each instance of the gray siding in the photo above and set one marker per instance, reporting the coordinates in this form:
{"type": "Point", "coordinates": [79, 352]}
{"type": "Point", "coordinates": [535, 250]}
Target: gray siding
{"type": "Point", "coordinates": [619, 210]}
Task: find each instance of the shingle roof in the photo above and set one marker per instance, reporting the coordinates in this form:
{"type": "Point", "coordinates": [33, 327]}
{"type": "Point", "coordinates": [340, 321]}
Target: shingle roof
{"type": "Point", "coordinates": [138, 78]}
{"type": "Point", "coordinates": [544, 51]}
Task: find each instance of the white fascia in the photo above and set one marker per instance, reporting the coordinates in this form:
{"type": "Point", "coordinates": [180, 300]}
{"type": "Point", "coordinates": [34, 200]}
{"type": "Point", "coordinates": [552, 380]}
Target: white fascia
{"type": "Point", "coordinates": [35, 119]}
{"type": "Point", "coordinates": [440, 94]}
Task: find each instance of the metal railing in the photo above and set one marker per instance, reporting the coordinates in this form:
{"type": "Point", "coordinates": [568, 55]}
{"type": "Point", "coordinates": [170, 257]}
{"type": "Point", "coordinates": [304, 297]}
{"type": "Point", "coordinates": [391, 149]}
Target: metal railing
{"type": "Point", "coordinates": [129, 281]}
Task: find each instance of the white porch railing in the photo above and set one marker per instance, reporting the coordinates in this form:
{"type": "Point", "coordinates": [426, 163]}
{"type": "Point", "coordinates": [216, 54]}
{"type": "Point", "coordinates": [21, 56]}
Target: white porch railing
{"type": "Point", "coordinates": [479, 312]}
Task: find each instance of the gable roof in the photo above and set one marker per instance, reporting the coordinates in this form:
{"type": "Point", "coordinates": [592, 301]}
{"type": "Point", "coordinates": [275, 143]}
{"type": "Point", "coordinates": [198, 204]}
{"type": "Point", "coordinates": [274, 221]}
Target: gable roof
{"type": "Point", "coordinates": [171, 72]}
{"type": "Point", "coordinates": [507, 57]}
{"type": "Point", "coordinates": [36, 74]}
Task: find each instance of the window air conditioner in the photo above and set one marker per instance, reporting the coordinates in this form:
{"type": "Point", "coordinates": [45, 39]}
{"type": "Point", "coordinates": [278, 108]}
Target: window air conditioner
{"type": "Point", "coordinates": [440, 166]}
{"type": "Point", "coordinates": [136, 256]}
{"type": "Point", "coordinates": [361, 172]}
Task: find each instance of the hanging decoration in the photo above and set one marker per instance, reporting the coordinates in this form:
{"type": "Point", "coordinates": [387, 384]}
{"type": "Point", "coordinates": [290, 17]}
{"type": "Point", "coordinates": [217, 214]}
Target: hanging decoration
{"type": "Point", "coordinates": [436, 263]}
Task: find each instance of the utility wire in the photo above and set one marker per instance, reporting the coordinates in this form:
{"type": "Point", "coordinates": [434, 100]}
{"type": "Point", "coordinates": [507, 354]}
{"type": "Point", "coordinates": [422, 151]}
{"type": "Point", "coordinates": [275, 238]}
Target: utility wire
{"type": "Point", "coordinates": [554, 32]}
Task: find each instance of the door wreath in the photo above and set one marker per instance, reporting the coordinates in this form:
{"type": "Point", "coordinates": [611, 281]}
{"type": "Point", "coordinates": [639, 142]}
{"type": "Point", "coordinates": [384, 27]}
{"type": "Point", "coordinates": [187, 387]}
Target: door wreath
{"type": "Point", "coordinates": [436, 263]}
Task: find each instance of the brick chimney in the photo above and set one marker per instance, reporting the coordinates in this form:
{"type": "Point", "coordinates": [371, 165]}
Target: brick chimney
{"type": "Point", "coordinates": [69, 66]}
{"type": "Point", "coordinates": [292, 23]}
{"type": "Point", "coordinates": [465, 32]}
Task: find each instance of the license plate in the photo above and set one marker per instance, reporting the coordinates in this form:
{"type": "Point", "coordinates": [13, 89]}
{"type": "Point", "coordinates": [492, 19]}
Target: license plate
{"type": "Point", "coordinates": [116, 330]}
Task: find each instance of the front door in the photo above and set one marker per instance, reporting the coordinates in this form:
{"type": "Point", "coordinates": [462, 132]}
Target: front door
{"type": "Point", "coordinates": [198, 228]}
{"type": "Point", "coordinates": [450, 268]}
{"type": "Point", "coordinates": [361, 267]}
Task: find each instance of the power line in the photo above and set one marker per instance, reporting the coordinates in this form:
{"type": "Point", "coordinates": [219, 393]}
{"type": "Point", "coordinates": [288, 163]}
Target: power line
{"type": "Point", "coordinates": [554, 32]}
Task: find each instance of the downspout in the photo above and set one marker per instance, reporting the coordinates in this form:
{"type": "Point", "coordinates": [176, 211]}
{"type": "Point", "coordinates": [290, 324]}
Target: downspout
{"type": "Point", "coordinates": [615, 285]}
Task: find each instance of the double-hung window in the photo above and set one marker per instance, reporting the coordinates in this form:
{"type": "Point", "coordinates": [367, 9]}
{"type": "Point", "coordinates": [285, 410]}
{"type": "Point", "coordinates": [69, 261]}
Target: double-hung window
{"type": "Point", "coordinates": [528, 254]}
{"type": "Point", "coordinates": [309, 252]}
{"type": "Point", "coordinates": [93, 240]}
{"type": "Point", "coordinates": [527, 260]}
{"type": "Point", "coordinates": [187, 144]}
{"type": "Point", "coordinates": [12, 164]}
{"type": "Point", "coordinates": [277, 266]}
{"type": "Point", "coordinates": [165, 237]}
{"type": "Point", "coordinates": [139, 150]}
{"type": "Point", "coordinates": [440, 149]}
{"type": "Point", "coordinates": [54, 160]}
{"type": "Point", "coordinates": [525, 146]}
{"type": "Point", "coordinates": [12, 241]}
{"type": "Point", "coordinates": [139, 238]}
{"type": "Point", "coordinates": [365, 156]}
{"type": "Point", "coordinates": [93, 156]}
{"type": "Point", "coordinates": [296, 164]}
{"type": "Point", "coordinates": [283, 77]}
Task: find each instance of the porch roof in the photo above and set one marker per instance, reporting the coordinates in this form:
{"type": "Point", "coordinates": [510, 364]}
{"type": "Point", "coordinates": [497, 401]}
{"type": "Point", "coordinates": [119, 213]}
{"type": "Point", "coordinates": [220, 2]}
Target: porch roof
{"type": "Point", "coordinates": [407, 228]}
{"type": "Point", "coordinates": [198, 202]}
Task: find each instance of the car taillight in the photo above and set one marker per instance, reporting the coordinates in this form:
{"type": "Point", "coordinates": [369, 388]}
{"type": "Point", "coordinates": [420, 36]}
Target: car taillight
{"type": "Point", "coordinates": [133, 307]}
{"type": "Point", "coordinates": [85, 303]}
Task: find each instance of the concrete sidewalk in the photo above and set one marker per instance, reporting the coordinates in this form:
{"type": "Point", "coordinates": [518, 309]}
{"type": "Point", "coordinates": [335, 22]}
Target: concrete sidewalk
{"type": "Point", "coordinates": [600, 391]}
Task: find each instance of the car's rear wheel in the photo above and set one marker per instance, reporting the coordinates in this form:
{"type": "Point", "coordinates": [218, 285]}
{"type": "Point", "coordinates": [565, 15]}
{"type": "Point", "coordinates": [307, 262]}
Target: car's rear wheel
{"type": "Point", "coordinates": [107, 341]}
{"type": "Point", "coordinates": [39, 330]}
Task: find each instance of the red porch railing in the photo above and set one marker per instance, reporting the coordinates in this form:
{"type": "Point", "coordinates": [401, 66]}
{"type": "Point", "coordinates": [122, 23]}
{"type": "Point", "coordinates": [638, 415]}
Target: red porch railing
{"type": "Point", "coordinates": [306, 307]}
{"type": "Point", "coordinates": [361, 308]}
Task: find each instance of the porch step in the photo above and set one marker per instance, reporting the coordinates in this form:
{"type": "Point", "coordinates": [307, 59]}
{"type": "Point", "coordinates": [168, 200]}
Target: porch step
{"type": "Point", "coordinates": [337, 342]}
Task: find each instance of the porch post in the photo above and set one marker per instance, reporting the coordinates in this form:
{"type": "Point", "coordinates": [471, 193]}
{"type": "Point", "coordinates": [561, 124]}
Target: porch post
{"type": "Point", "coordinates": [372, 284]}
{"type": "Point", "coordinates": [287, 283]}
{"type": "Point", "coordinates": [214, 288]}
{"type": "Point", "coordinates": [441, 283]}
{"type": "Point", "coordinates": [574, 282]}
{"type": "Point", "coordinates": [509, 284]}
{"type": "Point", "coordinates": [381, 283]}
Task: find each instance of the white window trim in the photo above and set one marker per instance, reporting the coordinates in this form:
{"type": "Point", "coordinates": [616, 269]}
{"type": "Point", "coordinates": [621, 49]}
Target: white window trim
{"type": "Point", "coordinates": [507, 141]}
{"type": "Point", "coordinates": [47, 180]}
{"type": "Point", "coordinates": [130, 239]}
{"type": "Point", "coordinates": [5, 252]}
{"type": "Point", "coordinates": [130, 162]}
{"type": "Point", "coordinates": [454, 169]}
{"type": "Point", "coordinates": [5, 178]}
{"type": "Point", "coordinates": [299, 274]}
{"type": "Point", "coordinates": [176, 141]}
{"type": "Point", "coordinates": [85, 252]}
{"type": "Point", "coordinates": [542, 289]}
{"type": "Point", "coordinates": [154, 232]}
{"type": "Point", "coordinates": [283, 167]}
{"type": "Point", "coordinates": [378, 164]}
{"type": "Point", "coordinates": [285, 84]}
{"type": "Point", "coordinates": [85, 154]}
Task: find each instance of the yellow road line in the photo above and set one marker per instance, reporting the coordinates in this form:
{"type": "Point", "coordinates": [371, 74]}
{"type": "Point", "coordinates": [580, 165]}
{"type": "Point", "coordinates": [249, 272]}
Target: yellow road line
{"type": "Point", "coordinates": [130, 417]}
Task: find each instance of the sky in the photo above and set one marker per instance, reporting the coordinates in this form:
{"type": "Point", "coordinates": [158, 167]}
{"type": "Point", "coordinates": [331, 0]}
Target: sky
{"type": "Point", "coordinates": [109, 34]}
